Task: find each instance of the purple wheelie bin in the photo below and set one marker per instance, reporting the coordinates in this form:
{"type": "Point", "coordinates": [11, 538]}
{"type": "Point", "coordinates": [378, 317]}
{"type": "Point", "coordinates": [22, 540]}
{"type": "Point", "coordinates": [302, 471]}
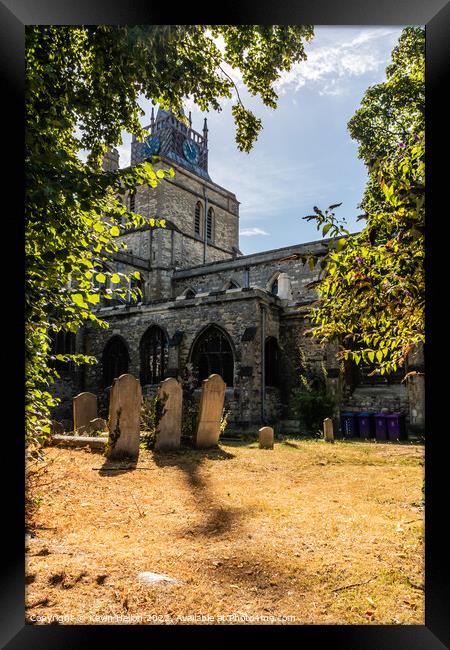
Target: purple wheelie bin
{"type": "Point", "coordinates": [365, 426]}
{"type": "Point", "coordinates": [395, 426]}
{"type": "Point", "coordinates": [380, 426]}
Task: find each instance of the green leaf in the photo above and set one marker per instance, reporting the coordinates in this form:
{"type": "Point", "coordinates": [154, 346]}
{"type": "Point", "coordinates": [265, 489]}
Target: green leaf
{"type": "Point", "coordinates": [340, 244]}
{"type": "Point", "coordinates": [115, 278]}
{"type": "Point", "coordinates": [98, 226]}
{"type": "Point", "coordinates": [78, 299]}
{"type": "Point", "coordinates": [100, 277]}
{"type": "Point", "coordinates": [326, 229]}
{"type": "Point", "coordinates": [115, 231]}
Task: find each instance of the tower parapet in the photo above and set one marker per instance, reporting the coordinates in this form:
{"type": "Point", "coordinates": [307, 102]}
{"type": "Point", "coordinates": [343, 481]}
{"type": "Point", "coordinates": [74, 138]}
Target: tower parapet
{"type": "Point", "coordinates": [170, 138]}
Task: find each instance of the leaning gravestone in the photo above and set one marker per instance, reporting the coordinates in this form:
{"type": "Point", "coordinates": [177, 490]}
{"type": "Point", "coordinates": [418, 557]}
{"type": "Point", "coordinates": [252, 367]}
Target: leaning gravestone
{"type": "Point", "coordinates": [169, 428]}
{"type": "Point", "coordinates": [84, 409]}
{"type": "Point", "coordinates": [210, 412]}
{"type": "Point", "coordinates": [125, 401]}
{"type": "Point", "coordinates": [266, 438]}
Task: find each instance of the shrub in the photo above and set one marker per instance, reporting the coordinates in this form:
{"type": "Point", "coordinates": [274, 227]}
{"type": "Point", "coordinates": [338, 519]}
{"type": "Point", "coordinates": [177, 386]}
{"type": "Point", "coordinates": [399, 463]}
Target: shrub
{"type": "Point", "coordinates": [312, 407]}
{"type": "Point", "coordinates": [151, 414]}
{"type": "Point", "coordinates": [189, 381]}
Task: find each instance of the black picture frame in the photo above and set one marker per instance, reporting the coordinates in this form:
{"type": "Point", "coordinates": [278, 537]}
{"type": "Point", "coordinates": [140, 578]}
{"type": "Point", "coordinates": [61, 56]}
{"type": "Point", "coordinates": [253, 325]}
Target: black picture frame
{"type": "Point", "coordinates": [435, 15]}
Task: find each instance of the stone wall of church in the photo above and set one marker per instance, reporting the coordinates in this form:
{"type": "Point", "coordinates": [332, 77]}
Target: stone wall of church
{"type": "Point", "coordinates": [174, 199]}
{"type": "Point", "coordinates": [180, 196]}
{"type": "Point", "coordinates": [257, 270]}
{"type": "Point", "coordinates": [178, 246]}
{"type": "Point", "coordinates": [234, 314]}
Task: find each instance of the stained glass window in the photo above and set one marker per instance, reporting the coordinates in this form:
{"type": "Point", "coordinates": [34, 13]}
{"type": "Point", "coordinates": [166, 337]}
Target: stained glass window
{"type": "Point", "coordinates": [154, 355]}
{"type": "Point", "coordinates": [212, 354]}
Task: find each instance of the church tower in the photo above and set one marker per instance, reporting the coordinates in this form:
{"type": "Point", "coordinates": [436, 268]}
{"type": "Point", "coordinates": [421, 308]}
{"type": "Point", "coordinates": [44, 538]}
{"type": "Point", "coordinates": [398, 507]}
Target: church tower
{"type": "Point", "coordinates": [202, 218]}
{"type": "Point", "coordinates": [170, 138]}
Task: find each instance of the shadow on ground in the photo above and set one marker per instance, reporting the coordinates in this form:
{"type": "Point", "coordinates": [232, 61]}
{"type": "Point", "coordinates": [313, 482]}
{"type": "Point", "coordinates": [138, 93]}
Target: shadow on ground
{"type": "Point", "coordinates": [219, 518]}
{"type": "Point", "coordinates": [117, 467]}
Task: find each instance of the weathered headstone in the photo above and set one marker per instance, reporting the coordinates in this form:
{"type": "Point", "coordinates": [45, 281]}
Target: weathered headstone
{"type": "Point", "coordinates": [210, 412]}
{"type": "Point", "coordinates": [125, 401]}
{"type": "Point", "coordinates": [328, 430]}
{"type": "Point", "coordinates": [84, 409]}
{"type": "Point", "coordinates": [97, 424]}
{"type": "Point", "coordinates": [169, 427]}
{"type": "Point", "coordinates": [266, 438]}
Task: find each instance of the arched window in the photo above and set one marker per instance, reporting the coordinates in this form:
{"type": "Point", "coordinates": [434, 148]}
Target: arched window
{"type": "Point", "coordinates": [154, 349]}
{"type": "Point", "coordinates": [62, 343]}
{"type": "Point", "coordinates": [212, 354]}
{"type": "Point", "coordinates": [274, 287]}
{"type": "Point", "coordinates": [198, 218]}
{"type": "Point", "coordinates": [271, 362]}
{"type": "Point", "coordinates": [115, 360]}
{"type": "Point", "coordinates": [210, 225]}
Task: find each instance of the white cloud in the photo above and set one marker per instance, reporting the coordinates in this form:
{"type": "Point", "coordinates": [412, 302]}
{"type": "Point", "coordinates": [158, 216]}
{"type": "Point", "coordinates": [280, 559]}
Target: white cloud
{"type": "Point", "coordinates": [250, 232]}
{"type": "Point", "coordinates": [329, 66]}
{"type": "Point", "coordinates": [125, 153]}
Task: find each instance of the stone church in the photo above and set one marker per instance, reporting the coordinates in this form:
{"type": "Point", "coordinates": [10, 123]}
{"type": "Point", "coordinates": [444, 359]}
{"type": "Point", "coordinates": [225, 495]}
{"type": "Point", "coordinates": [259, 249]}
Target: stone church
{"type": "Point", "coordinates": [209, 308]}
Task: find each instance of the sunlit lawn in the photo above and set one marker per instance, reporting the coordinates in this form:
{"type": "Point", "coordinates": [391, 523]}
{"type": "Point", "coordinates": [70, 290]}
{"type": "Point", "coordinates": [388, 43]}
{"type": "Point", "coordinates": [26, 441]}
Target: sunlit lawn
{"type": "Point", "coordinates": [306, 533]}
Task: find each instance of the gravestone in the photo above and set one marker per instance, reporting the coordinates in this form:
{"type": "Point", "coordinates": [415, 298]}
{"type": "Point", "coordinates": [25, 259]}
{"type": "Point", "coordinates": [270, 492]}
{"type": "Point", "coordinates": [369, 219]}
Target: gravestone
{"type": "Point", "coordinates": [328, 430]}
{"type": "Point", "coordinates": [169, 428]}
{"type": "Point", "coordinates": [210, 412]}
{"type": "Point", "coordinates": [266, 438]}
{"type": "Point", "coordinates": [84, 410]}
{"type": "Point", "coordinates": [97, 424]}
{"type": "Point", "coordinates": [125, 402]}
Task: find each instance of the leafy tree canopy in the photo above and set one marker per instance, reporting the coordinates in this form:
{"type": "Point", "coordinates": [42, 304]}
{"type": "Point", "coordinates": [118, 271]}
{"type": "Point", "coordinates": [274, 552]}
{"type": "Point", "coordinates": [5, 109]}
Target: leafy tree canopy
{"type": "Point", "coordinates": [82, 87]}
{"type": "Point", "coordinates": [372, 294]}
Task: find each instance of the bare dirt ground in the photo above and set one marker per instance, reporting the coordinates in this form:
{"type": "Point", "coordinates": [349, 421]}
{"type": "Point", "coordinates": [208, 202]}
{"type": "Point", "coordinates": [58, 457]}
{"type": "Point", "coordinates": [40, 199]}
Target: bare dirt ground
{"type": "Point", "coordinates": [307, 533]}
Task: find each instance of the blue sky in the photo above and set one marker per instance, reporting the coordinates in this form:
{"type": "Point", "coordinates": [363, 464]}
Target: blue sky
{"type": "Point", "coordinates": [304, 155]}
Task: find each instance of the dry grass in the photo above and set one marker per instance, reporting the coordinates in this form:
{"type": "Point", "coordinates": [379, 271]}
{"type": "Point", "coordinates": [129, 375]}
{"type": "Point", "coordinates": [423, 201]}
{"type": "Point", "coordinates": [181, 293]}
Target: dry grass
{"type": "Point", "coordinates": [321, 533]}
